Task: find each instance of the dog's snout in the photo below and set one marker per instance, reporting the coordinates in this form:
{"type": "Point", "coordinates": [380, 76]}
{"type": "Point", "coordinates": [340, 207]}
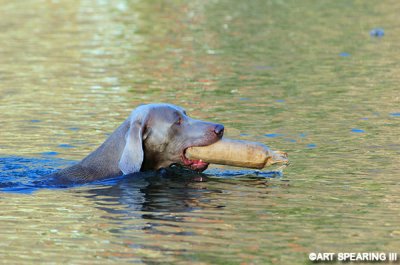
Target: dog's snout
{"type": "Point", "coordinates": [219, 130]}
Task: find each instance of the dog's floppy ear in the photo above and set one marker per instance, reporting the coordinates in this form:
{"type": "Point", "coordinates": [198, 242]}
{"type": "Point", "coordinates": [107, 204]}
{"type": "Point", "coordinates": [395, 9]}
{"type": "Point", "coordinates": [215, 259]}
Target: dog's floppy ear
{"type": "Point", "coordinates": [132, 156]}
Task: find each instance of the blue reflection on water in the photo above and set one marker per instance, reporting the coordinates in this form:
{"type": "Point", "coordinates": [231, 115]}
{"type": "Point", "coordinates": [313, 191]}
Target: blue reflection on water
{"type": "Point", "coordinates": [311, 146]}
{"type": "Point", "coordinates": [66, 146]}
{"type": "Point", "coordinates": [355, 130]}
{"type": "Point", "coordinates": [25, 175]}
{"type": "Point", "coordinates": [272, 135]}
{"type": "Point", "coordinates": [377, 32]}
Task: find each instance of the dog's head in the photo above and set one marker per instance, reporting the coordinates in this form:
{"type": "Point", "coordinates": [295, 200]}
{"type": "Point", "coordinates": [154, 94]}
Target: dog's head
{"type": "Point", "coordinates": [158, 136]}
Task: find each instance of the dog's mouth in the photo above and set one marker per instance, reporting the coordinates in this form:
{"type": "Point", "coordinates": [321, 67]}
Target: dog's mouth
{"type": "Point", "coordinates": [196, 165]}
{"type": "Point", "coordinates": [200, 165]}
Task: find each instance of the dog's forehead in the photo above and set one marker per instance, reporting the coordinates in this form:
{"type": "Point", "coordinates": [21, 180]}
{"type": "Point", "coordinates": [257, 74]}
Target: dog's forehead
{"type": "Point", "coordinates": [157, 111]}
{"type": "Point", "coordinates": [158, 106]}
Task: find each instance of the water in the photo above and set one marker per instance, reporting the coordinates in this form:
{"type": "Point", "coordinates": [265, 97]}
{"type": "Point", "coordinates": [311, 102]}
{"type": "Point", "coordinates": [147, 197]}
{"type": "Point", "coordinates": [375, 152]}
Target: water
{"type": "Point", "coordinates": [308, 78]}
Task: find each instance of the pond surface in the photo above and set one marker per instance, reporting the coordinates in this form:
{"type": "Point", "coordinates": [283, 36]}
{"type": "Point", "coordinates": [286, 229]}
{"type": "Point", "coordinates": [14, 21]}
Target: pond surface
{"type": "Point", "coordinates": [311, 78]}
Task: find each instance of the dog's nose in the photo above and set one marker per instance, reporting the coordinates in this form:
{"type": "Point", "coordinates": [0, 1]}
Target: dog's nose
{"type": "Point", "coordinates": [219, 130]}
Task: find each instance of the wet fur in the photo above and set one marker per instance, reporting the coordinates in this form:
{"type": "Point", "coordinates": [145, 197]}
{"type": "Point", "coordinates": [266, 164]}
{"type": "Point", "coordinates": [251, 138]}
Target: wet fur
{"type": "Point", "coordinates": [148, 140]}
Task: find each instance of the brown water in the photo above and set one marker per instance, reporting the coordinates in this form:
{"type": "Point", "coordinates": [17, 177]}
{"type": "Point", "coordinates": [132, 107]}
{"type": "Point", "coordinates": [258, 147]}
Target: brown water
{"type": "Point", "coordinates": [301, 76]}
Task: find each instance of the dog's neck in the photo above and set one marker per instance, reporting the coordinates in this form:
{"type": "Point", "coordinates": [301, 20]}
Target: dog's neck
{"type": "Point", "coordinates": [104, 160]}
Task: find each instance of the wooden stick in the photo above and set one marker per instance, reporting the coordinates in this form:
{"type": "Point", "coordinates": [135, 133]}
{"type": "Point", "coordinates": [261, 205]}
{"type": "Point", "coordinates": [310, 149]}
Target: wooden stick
{"type": "Point", "coordinates": [237, 153]}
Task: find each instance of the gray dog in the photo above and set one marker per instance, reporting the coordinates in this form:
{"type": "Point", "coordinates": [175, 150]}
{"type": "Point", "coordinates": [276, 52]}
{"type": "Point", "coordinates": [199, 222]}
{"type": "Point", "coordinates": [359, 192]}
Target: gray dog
{"type": "Point", "coordinates": [153, 137]}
